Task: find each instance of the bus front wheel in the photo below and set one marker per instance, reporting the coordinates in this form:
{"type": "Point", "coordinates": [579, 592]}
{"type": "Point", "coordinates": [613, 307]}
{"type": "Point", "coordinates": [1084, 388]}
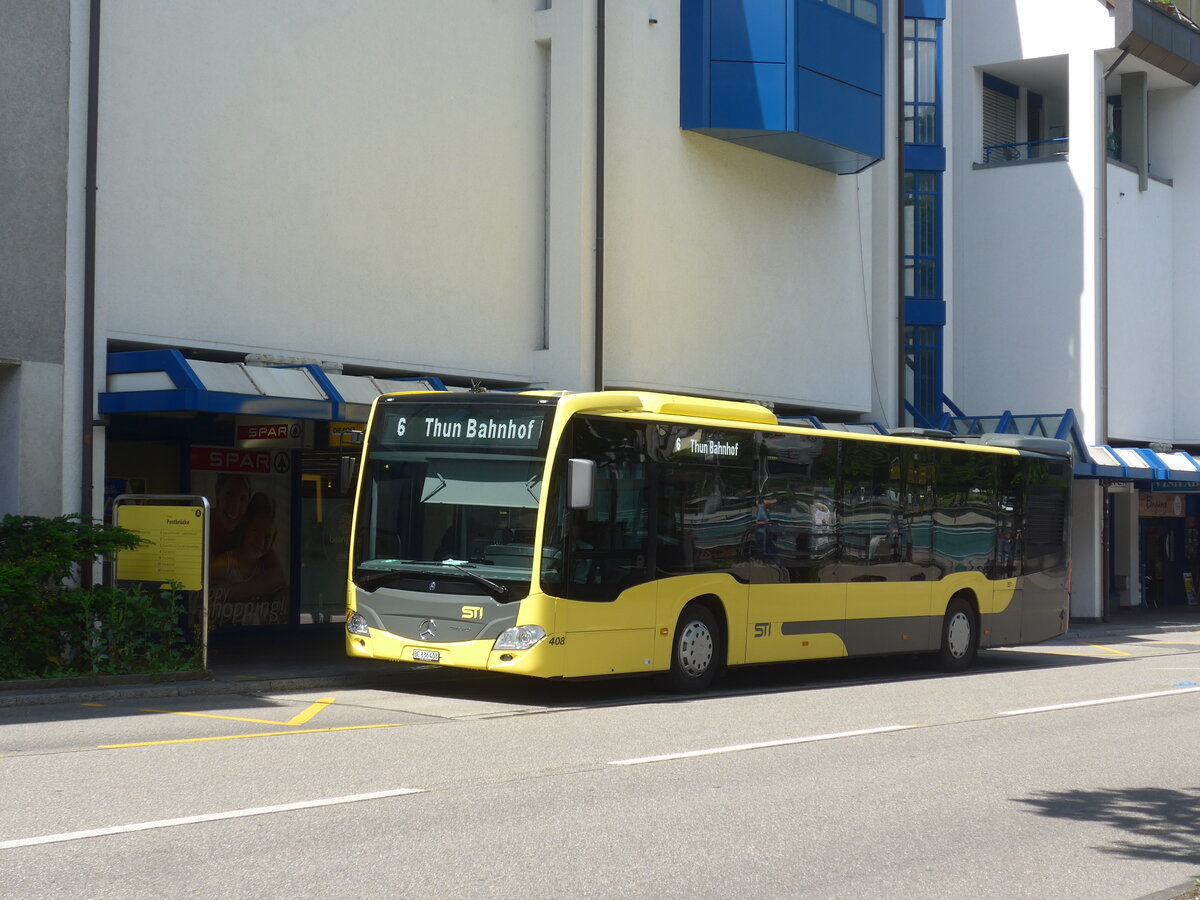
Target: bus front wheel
{"type": "Point", "coordinates": [960, 636]}
{"type": "Point", "coordinates": [696, 651]}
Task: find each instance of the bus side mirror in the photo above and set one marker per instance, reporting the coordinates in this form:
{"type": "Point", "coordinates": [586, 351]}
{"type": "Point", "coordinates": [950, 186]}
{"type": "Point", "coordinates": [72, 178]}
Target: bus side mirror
{"type": "Point", "coordinates": [581, 476]}
{"type": "Point", "coordinates": [347, 473]}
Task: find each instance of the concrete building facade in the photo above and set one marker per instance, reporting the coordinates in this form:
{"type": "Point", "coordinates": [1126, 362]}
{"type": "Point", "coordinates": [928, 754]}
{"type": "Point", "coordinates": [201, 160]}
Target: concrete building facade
{"type": "Point", "coordinates": [298, 205]}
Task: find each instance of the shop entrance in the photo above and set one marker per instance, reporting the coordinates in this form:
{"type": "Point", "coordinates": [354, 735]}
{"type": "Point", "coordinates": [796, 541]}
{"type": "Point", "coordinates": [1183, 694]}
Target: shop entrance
{"type": "Point", "coordinates": [326, 510]}
{"type": "Point", "coordinates": [1170, 547]}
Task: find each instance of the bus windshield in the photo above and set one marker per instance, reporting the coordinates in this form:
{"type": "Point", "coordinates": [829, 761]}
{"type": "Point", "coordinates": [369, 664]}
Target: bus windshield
{"type": "Point", "coordinates": [451, 490]}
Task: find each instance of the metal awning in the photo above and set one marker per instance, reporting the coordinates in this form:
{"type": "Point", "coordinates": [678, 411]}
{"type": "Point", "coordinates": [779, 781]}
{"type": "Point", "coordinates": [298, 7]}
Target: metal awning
{"type": "Point", "coordinates": [1145, 464]}
{"type": "Point", "coordinates": [156, 381]}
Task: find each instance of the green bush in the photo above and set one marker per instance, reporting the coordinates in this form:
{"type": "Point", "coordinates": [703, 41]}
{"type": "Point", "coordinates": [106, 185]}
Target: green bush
{"type": "Point", "coordinates": [50, 628]}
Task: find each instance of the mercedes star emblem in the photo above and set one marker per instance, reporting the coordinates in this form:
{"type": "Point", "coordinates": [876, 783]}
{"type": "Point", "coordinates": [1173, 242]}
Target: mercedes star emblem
{"type": "Point", "coordinates": [428, 630]}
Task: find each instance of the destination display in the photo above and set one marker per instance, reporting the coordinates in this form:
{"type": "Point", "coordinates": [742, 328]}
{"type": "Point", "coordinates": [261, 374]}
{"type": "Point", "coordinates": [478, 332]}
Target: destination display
{"type": "Point", "coordinates": [462, 427]}
{"type": "Point", "coordinates": [709, 444]}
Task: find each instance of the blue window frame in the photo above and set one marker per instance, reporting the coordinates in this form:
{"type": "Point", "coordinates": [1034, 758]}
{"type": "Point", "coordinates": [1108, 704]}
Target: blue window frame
{"type": "Point", "coordinates": [867, 10]}
{"type": "Point", "coordinates": [921, 199]}
{"type": "Point", "coordinates": [922, 82]}
{"type": "Point", "coordinates": [923, 369]}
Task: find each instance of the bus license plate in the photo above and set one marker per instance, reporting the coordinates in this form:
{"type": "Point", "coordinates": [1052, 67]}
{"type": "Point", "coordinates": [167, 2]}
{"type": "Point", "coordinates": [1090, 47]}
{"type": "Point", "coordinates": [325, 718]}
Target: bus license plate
{"type": "Point", "coordinates": [426, 655]}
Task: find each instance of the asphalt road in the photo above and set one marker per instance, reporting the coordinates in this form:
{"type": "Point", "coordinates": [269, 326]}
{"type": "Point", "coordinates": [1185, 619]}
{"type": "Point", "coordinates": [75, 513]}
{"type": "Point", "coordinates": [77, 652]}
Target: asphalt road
{"type": "Point", "coordinates": [1061, 771]}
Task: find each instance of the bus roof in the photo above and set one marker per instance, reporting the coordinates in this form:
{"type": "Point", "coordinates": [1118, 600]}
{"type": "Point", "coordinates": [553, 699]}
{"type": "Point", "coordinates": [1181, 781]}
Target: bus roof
{"type": "Point", "coordinates": [733, 413]}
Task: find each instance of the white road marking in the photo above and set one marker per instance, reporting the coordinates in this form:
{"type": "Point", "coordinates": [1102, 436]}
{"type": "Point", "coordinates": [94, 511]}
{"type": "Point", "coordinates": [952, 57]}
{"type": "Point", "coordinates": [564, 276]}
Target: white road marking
{"type": "Point", "coordinates": [737, 748]}
{"type": "Point", "coordinates": [208, 817]}
{"type": "Point", "coordinates": [1082, 703]}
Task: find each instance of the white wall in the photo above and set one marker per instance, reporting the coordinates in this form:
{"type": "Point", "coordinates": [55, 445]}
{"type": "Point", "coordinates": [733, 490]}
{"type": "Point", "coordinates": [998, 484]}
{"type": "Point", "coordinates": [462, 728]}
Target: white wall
{"type": "Point", "coordinates": [1141, 358]}
{"type": "Point", "coordinates": [1025, 245]}
{"type": "Point", "coordinates": [366, 182]}
{"type": "Point", "coordinates": [760, 273]}
{"type": "Point", "coordinates": [1018, 285]}
{"type": "Point", "coordinates": [350, 180]}
{"type": "Point", "coordinates": [1174, 126]}
{"type": "Point", "coordinates": [728, 271]}
{"type": "Point", "coordinates": [997, 31]}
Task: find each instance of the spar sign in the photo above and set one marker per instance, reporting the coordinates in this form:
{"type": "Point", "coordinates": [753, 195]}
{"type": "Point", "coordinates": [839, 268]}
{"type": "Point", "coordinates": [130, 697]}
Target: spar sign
{"type": "Point", "coordinates": [247, 462]}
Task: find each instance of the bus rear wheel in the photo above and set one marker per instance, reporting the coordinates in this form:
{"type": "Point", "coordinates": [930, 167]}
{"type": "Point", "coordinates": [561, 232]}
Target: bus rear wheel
{"type": "Point", "coordinates": [960, 636]}
{"type": "Point", "coordinates": [696, 651]}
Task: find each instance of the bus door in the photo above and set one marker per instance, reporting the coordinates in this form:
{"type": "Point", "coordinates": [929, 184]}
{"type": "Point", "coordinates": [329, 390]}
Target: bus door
{"type": "Point", "coordinates": [607, 618]}
{"type": "Point", "coordinates": [887, 528]}
{"type": "Point", "coordinates": [797, 603]}
{"type": "Point", "coordinates": [702, 525]}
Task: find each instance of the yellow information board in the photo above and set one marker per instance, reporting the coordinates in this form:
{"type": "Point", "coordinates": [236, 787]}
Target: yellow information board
{"type": "Point", "coordinates": [346, 434]}
{"type": "Point", "coordinates": [175, 545]}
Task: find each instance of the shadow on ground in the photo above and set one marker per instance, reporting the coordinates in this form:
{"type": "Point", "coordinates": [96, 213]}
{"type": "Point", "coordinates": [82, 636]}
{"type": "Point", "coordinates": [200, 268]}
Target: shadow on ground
{"type": "Point", "coordinates": [1159, 824]}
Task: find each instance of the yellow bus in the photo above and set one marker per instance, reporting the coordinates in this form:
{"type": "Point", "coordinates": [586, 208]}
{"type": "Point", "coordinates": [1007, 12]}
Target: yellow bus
{"type": "Point", "coordinates": [566, 535]}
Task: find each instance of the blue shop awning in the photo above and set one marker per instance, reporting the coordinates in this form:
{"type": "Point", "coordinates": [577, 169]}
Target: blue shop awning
{"type": "Point", "coordinates": [157, 381]}
{"type": "Point", "coordinates": [1142, 464]}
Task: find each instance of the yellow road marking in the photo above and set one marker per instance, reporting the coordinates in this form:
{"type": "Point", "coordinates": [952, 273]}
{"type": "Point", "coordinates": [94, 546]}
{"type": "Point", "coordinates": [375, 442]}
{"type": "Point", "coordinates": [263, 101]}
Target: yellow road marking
{"type": "Point", "coordinates": [91, 704]}
{"type": "Point", "coordinates": [1111, 650]}
{"type": "Point", "coordinates": [300, 718]}
{"type": "Point", "coordinates": [238, 737]}
{"type": "Point", "coordinates": [1041, 651]}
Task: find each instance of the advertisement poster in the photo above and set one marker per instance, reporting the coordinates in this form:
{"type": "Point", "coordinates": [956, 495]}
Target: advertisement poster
{"type": "Point", "coordinates": [249, 495]}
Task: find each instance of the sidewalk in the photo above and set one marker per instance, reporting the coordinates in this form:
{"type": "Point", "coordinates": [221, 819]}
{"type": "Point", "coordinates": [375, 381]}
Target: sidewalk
{"type": "Point", "coordinates": [307, 659]}
{"type": "Point", "coordinates": [314, 658]}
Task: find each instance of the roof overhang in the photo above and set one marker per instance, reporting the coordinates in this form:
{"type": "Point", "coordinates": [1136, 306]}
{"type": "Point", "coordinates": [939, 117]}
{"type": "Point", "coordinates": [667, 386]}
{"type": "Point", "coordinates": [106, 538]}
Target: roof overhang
{"type": "Point", "coordinates": [1158, 38]}
{"type": "Point", "coordinates": [162, 381]}
{"type": "Point", "coordinates": [1142, 464]}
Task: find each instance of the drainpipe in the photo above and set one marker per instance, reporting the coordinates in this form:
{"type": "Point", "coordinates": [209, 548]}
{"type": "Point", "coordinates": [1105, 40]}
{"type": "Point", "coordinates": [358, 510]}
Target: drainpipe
{"type": "Point", "coordinates": [1102, 277]}
{"type": "Point", "coordinates": [89, 269]}
{"type": "Point", "coordinates": [598, 349]}
{"type": "Point", "coordinates": [902, 367]}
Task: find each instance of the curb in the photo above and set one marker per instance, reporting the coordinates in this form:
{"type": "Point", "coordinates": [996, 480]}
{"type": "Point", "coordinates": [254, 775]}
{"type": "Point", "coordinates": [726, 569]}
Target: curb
{"type": "Point", "coordinates": [182, 688]}
{"type": "Point", "coordinates": [1173, 893]}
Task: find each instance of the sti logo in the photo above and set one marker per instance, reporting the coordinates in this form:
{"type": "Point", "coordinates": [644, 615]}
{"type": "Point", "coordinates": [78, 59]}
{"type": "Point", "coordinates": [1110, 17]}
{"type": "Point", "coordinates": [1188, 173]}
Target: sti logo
{"type": "Point", "coordinates": [472, 612]}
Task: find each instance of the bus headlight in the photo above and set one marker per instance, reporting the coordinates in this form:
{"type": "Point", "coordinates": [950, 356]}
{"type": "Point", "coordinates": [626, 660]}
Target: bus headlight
{"type": "Point", "coordinates": [521, 637]}
{"type": "Point", "coordinates": [356, 624]}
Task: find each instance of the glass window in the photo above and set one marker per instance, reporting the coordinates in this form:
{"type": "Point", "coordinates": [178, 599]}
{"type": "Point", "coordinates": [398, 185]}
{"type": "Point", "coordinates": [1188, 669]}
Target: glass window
{"type": "Point", "coordinates": [922, 105]}
{"type": "Point", "coordinates": [1042, 519]}
{"type": "Point", "coordinates": [705, 506]}
{"type": "Point", "coordinates": [916, 539]}
{"type": "Point", "coordinates": [964, 537]}
{"type": "Point", "coordinates": [872, 509]}
{"type": "Point", "coordinates": [594, 554]}
{"type": "Point", "coordinates": [923, 356]}
{"type": "Point", "coordinates": [796, 520]}
{"type": "Point", "coordinates": [705, 517]}
{"type": "Point", "coordinates": [867, 10]}
{"type": "Point", "coordinates": [922, 242]}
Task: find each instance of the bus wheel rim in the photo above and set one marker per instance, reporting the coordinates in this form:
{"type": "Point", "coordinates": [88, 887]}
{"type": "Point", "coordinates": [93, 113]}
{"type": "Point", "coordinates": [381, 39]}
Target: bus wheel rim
{"type": "Point", "coordinates": [958, 635]}
{"type": "Point", "coordinates": [695, 649]}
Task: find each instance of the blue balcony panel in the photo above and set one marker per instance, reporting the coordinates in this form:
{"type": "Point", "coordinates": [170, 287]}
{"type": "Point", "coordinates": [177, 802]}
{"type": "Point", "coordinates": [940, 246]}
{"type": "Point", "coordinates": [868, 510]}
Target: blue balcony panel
{"type": "Point", "coordinates": [749, 96]}
{"type": "Point", "coordinates": [797, 79]}
{"type": "Point", "coordinates": [841, 46]}
{"type": "Point", "coordinates": [796, 147]}
{"type": "Point", "coordinates": [839, 113]}
{"type": "Point", "coordinates": [749, 30]}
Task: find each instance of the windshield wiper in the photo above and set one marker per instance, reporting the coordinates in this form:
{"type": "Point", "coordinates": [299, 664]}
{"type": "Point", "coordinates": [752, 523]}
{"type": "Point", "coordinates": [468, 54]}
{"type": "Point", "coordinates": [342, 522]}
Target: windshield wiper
{"type": "Point", "coordinates": [499, 592]}
{"type": "Point", "coordinates": [369, 578]}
